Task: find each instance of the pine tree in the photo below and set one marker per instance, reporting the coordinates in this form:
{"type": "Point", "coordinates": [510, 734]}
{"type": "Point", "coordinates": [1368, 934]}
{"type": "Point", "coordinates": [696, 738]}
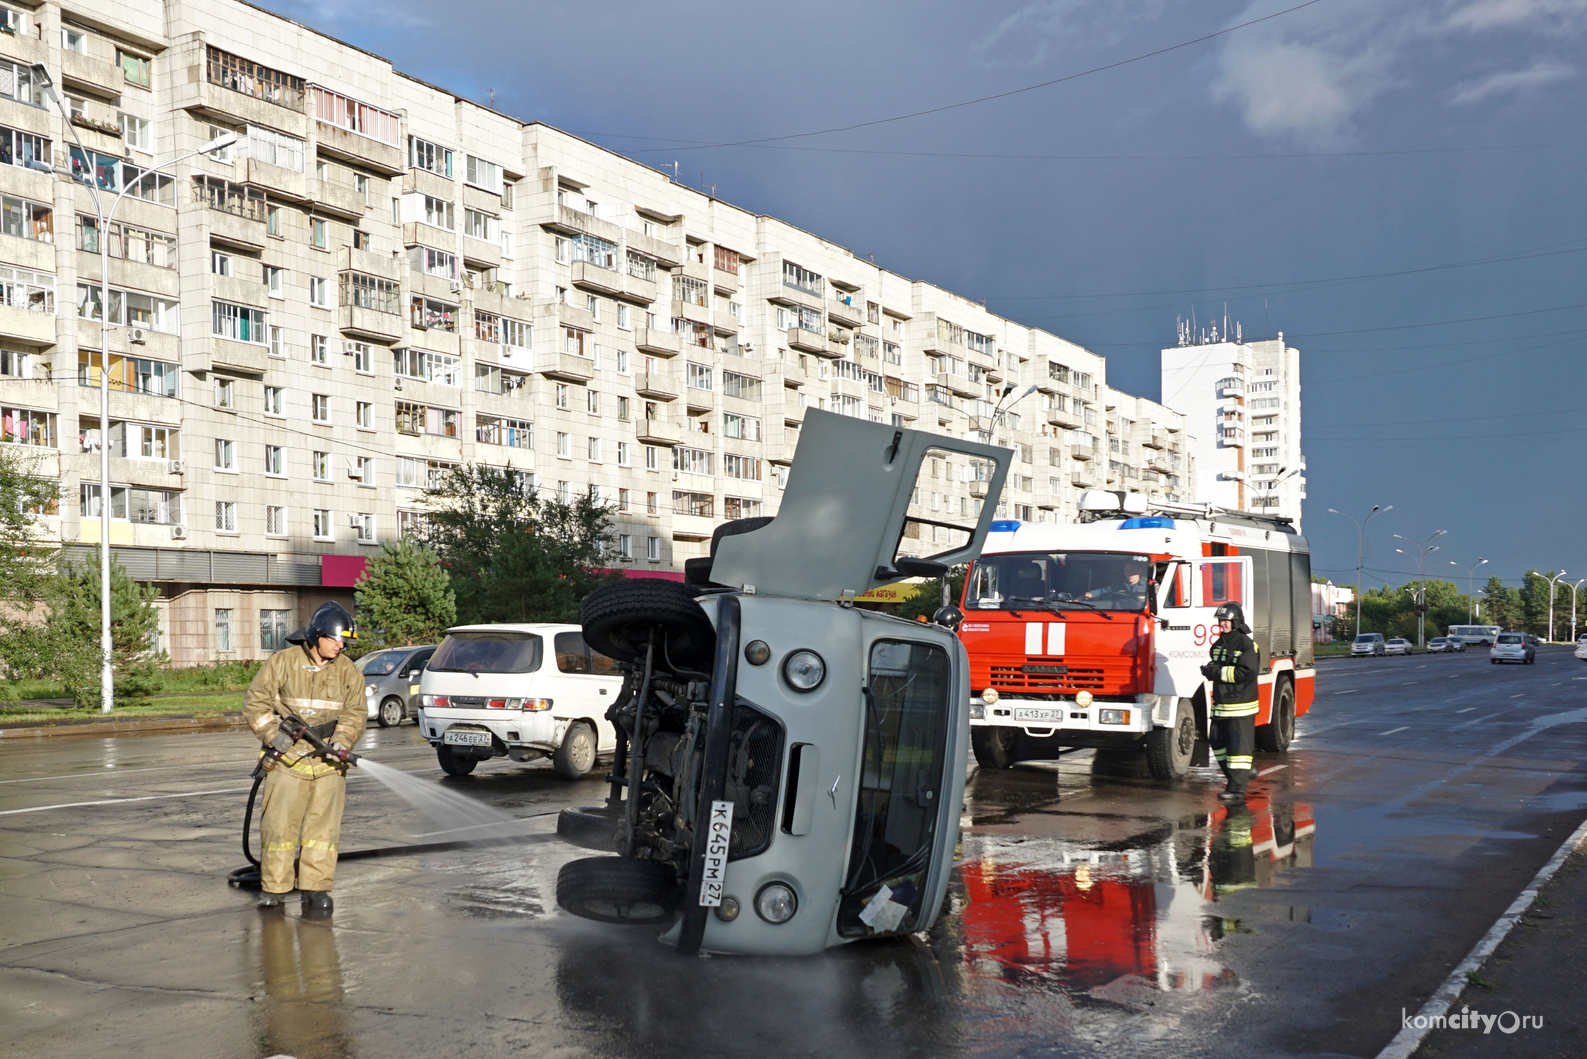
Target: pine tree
{"type": "Point", "coordinates": [71, 634]}
{"type": "Point", "coordinates": [405, 596]}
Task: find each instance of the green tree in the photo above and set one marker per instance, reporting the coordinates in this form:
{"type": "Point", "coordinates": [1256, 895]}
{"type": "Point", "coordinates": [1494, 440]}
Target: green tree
{"type": "Point", "coordinates": [514, 555]}
{"type": "Point", "coordinates": [405, 596]}
{"type": "Point", "coordinates": [927, 597]}
{"type": "Point", "coordinates": [27, 559]}
{"type": "Point", "coordinates": [1501, 605]}
{"type": "Point", "coordinates": [71, 633]}
{"type": "Point", "coordinates": [1534, 602]}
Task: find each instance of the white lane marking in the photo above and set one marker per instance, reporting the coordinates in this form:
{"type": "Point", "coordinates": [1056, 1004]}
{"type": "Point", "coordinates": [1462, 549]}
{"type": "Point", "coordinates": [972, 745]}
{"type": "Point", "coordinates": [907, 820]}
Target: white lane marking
{"type": "Point", "coordinates": [119, 801]}
{"type": "Point", "coordinates": [1468, 709]}
{"type": "Point", "coordinates": [1352, 691]}
{"type": "Point", "coordinates": [1479, 720]}
{"type": "Point", "coordinates": [1272, 768]}
{"type": "Point", "coordinates": [1518, 696]}
{"type": "Point", "coordinates": [1410, 1038]}
{"type": "Point", "coordinates": [1401, 728]}
{"type": "Point", "coordinates": [1404, 682]}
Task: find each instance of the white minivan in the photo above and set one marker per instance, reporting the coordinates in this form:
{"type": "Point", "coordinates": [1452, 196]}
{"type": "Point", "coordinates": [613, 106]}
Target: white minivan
{"type": "Point", "coordinates": [520, 691]}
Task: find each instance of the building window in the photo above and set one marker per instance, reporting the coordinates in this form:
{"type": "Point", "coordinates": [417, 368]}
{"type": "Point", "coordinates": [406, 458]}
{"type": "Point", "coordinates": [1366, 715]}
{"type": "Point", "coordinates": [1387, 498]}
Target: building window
{"type": "Point", "coordinates": [252, 79]}
{"type": "Point", "coordinates": [625, 545]}
{"type": "Point", "coordinates": [275, 521]}
{"type": "Point", "coordinates": [653, 549]}
{"type": "Point", "coordinates": [428, 313]}
{"type": "Point", "coordinates": [222, 620]}
{"type": "Point", "coordinates": [428, 156]}
{"type": "Point", "coordinates": [564, 445]}
{"type": "Point", "coordinates": [322, 524]}
{"type": "Point", "coordinates": [652, 458]}
{"type": "Point", "coordinates": [225, 455]}
{"type": "Point", "coordinates": [273, 626]}
{"type": "Point", "coordinates": [273, 220]}
{"type": "Point", "coordinates": [371, 292]}
{"type": "Point", "coordinates": [366, 415]}
{"type": "Point", "coordinates": [320, 407]}
{"type": "Point", "coordinates": [624, 453]}
{"type": "Point", "coordinates": [317, 237]}
{"type": "Point", "coordinates": [219, 263]}
{"type": "Point", "coordinates": [275, 461]}
{"type": "Point", "coordinates": [365, 522]}
{"type": "Point", "coordinates": [275, 281]}
{"type": "Point", "coordinates": [224, 389]}
{"type": "Point", "coordinates": [735, 507]}
{"type": "Point", "coordinates": [226, 516]}
{"type": "Point", "coordinates": [273, 400]}
{"type": "Point", "coordinates": [236, 322]}
{"type": "Point", "coordinates": [322, 466]}
{"type": "Point", "coordinates": [699, 376]}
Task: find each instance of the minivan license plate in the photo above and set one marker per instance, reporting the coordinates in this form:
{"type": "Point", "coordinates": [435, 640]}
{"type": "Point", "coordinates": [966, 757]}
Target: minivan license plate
{"type": "Point", "coordinates": [465, 738]}
{"type": "Point", "coordinates": [1032, 713]}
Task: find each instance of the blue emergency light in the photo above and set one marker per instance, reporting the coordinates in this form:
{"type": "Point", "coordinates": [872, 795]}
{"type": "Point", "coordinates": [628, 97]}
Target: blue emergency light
{"type": "Point", "coordinates": [1143, 522]}
{"type": "Point", "coordinates": [1007, 525]}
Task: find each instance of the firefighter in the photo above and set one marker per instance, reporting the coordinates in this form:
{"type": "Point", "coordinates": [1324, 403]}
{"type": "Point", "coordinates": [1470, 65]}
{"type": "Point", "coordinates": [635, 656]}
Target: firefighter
{"type": "Point", "coordinates": [1233, 674]}
{"type": "Point", "coordinates": [1133, 587]}
{"type": "Point", "coordinates": [312, 684]}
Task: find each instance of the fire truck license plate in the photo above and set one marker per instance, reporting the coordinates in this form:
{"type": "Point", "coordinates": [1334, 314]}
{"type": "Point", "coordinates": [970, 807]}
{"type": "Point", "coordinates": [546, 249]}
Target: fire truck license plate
{"type": "Point", "coordinates": [1034, 713]}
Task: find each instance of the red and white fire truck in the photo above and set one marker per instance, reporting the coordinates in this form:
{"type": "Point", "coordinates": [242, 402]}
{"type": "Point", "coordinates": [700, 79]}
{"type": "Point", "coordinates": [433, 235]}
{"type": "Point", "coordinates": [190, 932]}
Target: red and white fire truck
{"type": "Point", "coordinates": [1093, 634]}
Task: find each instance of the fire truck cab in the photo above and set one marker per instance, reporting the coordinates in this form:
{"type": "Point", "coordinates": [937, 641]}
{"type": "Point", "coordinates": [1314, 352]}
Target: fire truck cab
{"type": "Point", "coordinates": [1093, 634]}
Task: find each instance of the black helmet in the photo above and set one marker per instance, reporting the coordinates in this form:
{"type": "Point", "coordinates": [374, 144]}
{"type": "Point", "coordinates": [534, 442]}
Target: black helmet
{"type": "Point", "coordinates": [331, 620]}
{"type": "Point", "coordinates": [1225, 612]}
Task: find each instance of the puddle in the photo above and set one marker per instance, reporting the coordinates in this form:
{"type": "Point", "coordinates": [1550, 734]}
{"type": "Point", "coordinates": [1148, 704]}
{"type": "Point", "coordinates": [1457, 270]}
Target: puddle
{"type": "Point", "coordinates": [1117, 918]}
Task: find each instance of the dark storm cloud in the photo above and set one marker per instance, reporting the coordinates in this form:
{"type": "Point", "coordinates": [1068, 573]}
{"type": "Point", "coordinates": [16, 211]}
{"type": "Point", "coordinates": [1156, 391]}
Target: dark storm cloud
{"type": "Point", "coordinates": [1470, 427]}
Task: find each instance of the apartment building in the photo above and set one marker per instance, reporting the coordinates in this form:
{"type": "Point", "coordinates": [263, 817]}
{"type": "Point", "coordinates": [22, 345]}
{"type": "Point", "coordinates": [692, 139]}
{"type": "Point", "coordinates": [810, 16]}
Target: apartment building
{"type": "Point", "coordinates": [1242, 401]}
{"type": "Point", "coordinates": [380, 281]}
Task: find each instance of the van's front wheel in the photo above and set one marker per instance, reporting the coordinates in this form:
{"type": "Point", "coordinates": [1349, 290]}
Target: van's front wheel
{"type": "Point", "coordinates": [994, 745]}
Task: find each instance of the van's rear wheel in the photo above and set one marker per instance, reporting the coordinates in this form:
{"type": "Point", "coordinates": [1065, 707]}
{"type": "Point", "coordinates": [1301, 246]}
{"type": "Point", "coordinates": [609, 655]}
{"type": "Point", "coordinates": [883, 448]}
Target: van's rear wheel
{"type": "Point", "coordinates": [454, 764]}
{"type": "Point", "coordinates": [1169, 750]}
{"type": "Point", "coordinates": [589, 827]}
{"type": "Point", "coordinates": [994, 745]}
{"type": "Point", "coordinates": [617, 620]}
{"type": "Point", "coordinates": [638, 893]}
{"type": "Point", "coordinates": [576, 756]}
{"type": "Point", "coordinates": [1279, 732]}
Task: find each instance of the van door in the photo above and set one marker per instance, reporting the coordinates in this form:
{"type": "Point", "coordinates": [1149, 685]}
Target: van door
{"type": "Point", "coordinates": [586, 685]}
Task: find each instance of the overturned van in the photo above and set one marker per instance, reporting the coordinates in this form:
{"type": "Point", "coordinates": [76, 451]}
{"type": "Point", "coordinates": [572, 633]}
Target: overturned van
{"type": "Point", "coordinates": [789, 768]}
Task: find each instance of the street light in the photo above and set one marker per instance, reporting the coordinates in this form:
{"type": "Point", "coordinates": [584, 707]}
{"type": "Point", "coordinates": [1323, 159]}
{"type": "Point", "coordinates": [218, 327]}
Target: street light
{"type": "Point", "coordinates": [1471, 587]}
{"type": "Point", "coordinates": [1423, 550]}
{"type": "Point", "coordinates": [1551, 582]}
{"type": "Point", "coordinates": [1361, 538]}
{"type": "Point", "coordinates": [46, 84]}
{"type": "Point", "coordinates": [1573, 589]}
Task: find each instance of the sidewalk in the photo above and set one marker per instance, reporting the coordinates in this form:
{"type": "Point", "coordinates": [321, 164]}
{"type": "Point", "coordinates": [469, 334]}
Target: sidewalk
{"type": "Point", "coordinates": [1539, 970]}
{"type": "Point", "coordinates": [175, 722]}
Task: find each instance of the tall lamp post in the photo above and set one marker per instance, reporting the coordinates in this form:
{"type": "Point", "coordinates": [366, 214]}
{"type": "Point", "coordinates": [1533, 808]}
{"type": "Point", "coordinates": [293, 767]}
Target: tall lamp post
{"type": "Point", "coordinates": [46, 84]}
{"type": "Point", "coordinates": [1471, 587]}
{"type": "Point", "coordinates": [1573, 589]}
{"type": "Point", "coordinates": [1552, 581]}
{"type": "Point", "coordinates": [1361, 543]}
{"type": "Point", "coordinates": [1423, 550]}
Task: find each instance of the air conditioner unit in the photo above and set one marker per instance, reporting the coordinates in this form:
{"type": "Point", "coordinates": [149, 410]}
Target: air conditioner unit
{"type": "Point", "coordinates": [747, 347]}
{"type": "Point", "coordinates": [178, 533]}
{"type": "Point", "coordinates": [354, 521]}
{"type": "Point", "coordinates": [176, 467]}
{"type": "Point", "coordinates": [139, 336]}
{"type": "Point", "coordinates": [397, 383]}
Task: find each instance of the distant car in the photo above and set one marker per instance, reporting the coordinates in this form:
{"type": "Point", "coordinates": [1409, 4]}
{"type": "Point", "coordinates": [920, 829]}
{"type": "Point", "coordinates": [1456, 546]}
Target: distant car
{"type": "Point", "coordinates": [1457, 644]}
{"type": "Point", "coordinates": [391, 683]}
{"type": "Point", "coordinates": [1512, 647]}
{"type": "Point", "coordinates": [1368, 643]}
{"type": "Point", "coordinates": [1534, 639]}
{"type": "Point", "coordinates": [1443, 645]}
{"type": "Point", "coordinates": [1399, 646]}
{"type": "Point", "coordinates": [1581, 648]}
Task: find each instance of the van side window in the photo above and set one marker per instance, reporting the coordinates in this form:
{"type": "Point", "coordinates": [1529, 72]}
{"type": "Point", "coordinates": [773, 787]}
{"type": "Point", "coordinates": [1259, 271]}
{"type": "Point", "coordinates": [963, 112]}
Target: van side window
{"type": "Point", "coordinates": [575, 656]}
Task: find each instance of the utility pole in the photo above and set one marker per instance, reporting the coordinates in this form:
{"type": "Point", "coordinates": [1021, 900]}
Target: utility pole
{"type": "Point", "coordinates": [1573, 589]}
{"type": "Point", "coordinates": [1551, 582]}
{"type": "Point", "coordinates": [1471, 588]}
{"type": "Point", "coordinates": [1423, 550]}
{"type": "Point", "coordinates": [1361, 539]}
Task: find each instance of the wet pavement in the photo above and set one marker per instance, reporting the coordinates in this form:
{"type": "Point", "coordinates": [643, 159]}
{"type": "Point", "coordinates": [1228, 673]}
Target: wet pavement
{"type": "Point", "coordinates": [1096, 911]}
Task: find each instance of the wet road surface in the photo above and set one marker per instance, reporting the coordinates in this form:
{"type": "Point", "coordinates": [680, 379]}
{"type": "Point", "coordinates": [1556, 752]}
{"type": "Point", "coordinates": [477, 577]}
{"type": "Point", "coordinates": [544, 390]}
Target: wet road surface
{"type": "Point", "coordinates": [1096, 912]}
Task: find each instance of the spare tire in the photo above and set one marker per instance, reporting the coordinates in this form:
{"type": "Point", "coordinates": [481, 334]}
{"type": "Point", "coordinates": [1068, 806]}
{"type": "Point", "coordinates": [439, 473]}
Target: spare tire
{"type": "Point", "coordinates": [589, 827]}
{"type": "Point", "coordinates": [618, 618]}
{"type": "Point", "coordinates": [639, 893]}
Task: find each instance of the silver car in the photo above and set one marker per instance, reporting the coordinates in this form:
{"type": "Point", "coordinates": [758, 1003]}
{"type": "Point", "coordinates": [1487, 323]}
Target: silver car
{"type": "Point", "coordinates": [391, 682]}
{"type": "Point", "coordinates": [1512, 647]}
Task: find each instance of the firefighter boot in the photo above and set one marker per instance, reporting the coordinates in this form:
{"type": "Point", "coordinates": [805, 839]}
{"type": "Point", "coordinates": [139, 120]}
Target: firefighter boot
{"type": "Point", "coordinates": [270, 902]}
{"type": "Point", "coordinates": [317, 904]}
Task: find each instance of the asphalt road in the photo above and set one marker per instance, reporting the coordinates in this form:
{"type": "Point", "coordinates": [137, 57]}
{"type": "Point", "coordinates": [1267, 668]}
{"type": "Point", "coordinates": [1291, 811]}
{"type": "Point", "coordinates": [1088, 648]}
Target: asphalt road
{"type": "Point", "coordinates": [1096, 911]}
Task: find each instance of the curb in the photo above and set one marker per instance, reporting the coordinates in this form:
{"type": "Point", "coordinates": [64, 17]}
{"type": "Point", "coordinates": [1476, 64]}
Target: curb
{"type": "Point", "coordinates": [1410, 1038]}
{"type": "Point", "coordinates": [185, 722]}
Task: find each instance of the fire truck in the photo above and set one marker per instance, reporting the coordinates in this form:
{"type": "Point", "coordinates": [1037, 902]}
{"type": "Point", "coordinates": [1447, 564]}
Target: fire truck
{"type": "Point", "coordinates": [1093, 634]}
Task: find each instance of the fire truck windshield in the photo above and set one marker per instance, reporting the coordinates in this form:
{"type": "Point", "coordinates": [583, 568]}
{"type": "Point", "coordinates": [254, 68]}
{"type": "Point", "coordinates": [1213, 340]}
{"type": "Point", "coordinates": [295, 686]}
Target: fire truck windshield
{"type": "Point", "coordinates": [1089, 580]}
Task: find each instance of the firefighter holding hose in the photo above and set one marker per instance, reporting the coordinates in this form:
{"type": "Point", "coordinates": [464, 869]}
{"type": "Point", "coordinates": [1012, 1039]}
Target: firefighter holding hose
{"type": "Point", "coordinates": [1233, 672]}
{"type": "Point", "coordinates": [308, 694]}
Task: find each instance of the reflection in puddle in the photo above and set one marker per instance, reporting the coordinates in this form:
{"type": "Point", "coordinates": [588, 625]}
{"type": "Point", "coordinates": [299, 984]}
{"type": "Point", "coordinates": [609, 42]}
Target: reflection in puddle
{"type": "Point", "coordinates": [1117, 916]}
{"type": "Point", "coordinates": [304, 1010]}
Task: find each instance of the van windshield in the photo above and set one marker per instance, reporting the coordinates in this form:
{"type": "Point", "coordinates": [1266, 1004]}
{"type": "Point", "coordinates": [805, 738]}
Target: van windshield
{"type": "Point", "coordinates": [1091, 580]}
{"type": "Point", "coordinates": [487, 652]}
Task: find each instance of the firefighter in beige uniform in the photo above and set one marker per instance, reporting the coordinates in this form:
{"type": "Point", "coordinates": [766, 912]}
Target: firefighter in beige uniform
{"type": "Point", "coordinates": [315, 684]}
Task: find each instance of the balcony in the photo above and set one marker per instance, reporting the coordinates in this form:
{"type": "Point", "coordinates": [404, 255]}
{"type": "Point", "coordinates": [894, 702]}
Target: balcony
{"type": "Point", "coordinates": [1232, 437]}
{"type": "Point", "coordinates": [1064, 419]}
{"type": "Point", "coordinates": [692, 527]}
{"type": "Point", "coordinates": [792, 374]}
{"type": "Point", "coordinates": [277, 181]}
{"type": "Point", "coordinates": [481, 252]}
{"type": "Point", "coordinates": [1233, 386]}
{"type": "Point", "coordinates": [723, 280]}
{"type": "Point", "coordinates": [597, 279]}
{"type": "Point", "coordinates": [691, 311]}
{"type": "Point", "coordinates": [1082, 478]}
{"type": "Point", "coordinates": [668, 254]}
{"type": "Point", "coordinates": [339, 200]}
{"type": "Point", "coordinates": [573, 316]}
{"type": "Point", "coordinates": [845, 314]}
{"type": "Point", "coordinates": [659, 432]}
{"type": "Point", "coordinates": [382, 265]}
{"type": "Point", "coordinates": [565, 366]}
{"type": "Point", "coordinates": [657, 343]}
{"type": "Point", "coordinates": [358, 322]}
{"type": "Point", "coordinates": [236, 230]}
{"type": "Point", "coordinates": [1156, 441]}
{"type": "Point", "coordinates": [808, 341]}
{"type": "Point", "coordinates": [25, 50]}
{"type": "Point", "coordinates": [960, 385]}
{"type": "Point", "coordinates": [207, 98]}
{"type": "Point", "coordinates": [577, 222]}
{"type": "Point", "coordinates": [359, 149]}
{"type": "Point", "coordinates": [1082, 452]}
{"type": "Point", "coordinates": [659, 385]}
{"type": "Point", "coordinates": [96, 77]}
{"type": "Point", "coordinates": [23, 325]}
{"type": "Point", "coordinates": [247, 357]}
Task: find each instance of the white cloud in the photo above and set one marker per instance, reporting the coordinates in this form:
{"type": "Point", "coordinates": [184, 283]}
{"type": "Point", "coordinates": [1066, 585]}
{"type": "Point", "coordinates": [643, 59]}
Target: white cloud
{"type": "Point", "coordinates": [1542, 72]}
{"type": "Point", "coordinates": [1031, 33]}
{"type": "Point", "coordinates": [1496, 14]}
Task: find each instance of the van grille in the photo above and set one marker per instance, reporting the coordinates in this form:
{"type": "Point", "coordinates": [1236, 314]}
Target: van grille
{"type": "Point", "coordinates": [754, 761]}
{"type": "Point", "coordinates": [1076, 678]}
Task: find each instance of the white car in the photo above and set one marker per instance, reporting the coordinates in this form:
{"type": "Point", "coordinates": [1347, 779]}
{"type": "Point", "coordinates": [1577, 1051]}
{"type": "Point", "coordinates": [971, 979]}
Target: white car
{"type": "Point", "coordinates": [1512, 647]}
{"type": "Point", "coordinates": [519, 691]}
{"type": "Point", "coordinates": [1445, 645]}
{"type": "Point", "coordinates": [1581, 648]}
{"type": "Point", "coordinates": [1398, 646]}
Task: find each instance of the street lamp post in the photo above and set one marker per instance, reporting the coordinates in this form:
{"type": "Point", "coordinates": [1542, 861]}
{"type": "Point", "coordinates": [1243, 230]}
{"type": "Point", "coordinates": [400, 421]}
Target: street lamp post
{"type": "Point", "coordinates": [1423, 550]}
{"type": "Point", "coordinates": [1552, 581]}
{"type": "Point", "coordinates": [1471, 587]}
{"type": "Point", "coordinates": [1573, 589]}
{"type": "Point", "coordinates": [46, 84]}
{"type": "Point", "coordinates": [1361, 539]}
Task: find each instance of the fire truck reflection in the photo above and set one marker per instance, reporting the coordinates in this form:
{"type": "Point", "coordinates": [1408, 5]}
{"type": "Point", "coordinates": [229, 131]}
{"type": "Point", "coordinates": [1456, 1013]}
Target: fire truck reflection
{"type": "Point", "coordinates": [1144, 910]}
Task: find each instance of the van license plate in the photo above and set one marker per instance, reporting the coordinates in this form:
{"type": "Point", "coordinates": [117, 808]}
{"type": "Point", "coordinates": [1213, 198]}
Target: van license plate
{"type": "Point", "coordinates": [457, 738]}
{"type": "Point", "coordinates": [1032, 713]}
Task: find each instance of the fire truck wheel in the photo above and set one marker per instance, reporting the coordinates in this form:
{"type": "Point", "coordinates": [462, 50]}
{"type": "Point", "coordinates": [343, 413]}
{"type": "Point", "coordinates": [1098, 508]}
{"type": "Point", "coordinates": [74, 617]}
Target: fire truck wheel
{"type": "Point", "coordinates": [1277, 734]}
{"type": "Point", "coordinates": [1168, 750]}
{"type": "Point", "coordinates": [994, 746]}
{"type": "Point", "coordinates": [617, 620]}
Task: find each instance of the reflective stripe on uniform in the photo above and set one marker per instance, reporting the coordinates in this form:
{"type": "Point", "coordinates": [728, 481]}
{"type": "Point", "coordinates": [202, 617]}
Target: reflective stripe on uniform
{"type": "Point", "coordinates": [1219, 753]}
{"type": "Point", "coordinates": [314, 843]}
{"type": "Point", "coordinates": [1235, 709]}
{"type": "Point", "coordinates": [1226, 674]}
{"type": "Point", "coordinates": [277, 846]}
{"type": "Point", "coordinates": [1240, 761]}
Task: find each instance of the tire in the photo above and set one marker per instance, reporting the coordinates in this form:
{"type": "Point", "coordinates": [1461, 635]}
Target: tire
{"type": "Point", "coordinates": [640, 893]}
{"type": "Point", "coordinates": [589, 827]}
{"type": "Point", "coordinates": [454, 764]}
{"type": "Point", "coordinates": [391, 712]}
{"type": "Point", "coordinates": [1279, 732]}
{"type": "Point", "coordinates": [994, 746]}
{"type": "Point", "coordinates": [576, 756]}
{"type": "Point", "coordinates": [1169, 750]}
{"type": "Point", "coordinates": [617, 620]}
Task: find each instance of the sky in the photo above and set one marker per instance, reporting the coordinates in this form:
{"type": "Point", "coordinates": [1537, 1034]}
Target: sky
{"type": "Point", "coordinates": [1397, 185]}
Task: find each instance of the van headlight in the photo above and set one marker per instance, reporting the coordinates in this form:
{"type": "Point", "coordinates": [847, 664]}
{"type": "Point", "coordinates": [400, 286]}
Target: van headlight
{"type": "Point", "coordinates": [804, 671]}
{"type": "Point", "coordinates": [776, 903]}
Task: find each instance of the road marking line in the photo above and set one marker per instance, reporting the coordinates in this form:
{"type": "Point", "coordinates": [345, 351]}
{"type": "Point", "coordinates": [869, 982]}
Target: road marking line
{"type": "Point", "coordinates": [118, 801]}
{"type": "Point", "coordinates": [1401, 728]}
{"type": "Point", "coordinates": [1468, 709]}
{"type": "Point", "coordinates": [1272, 768]}
{"type": "Point", "coordinates": [1352, 691]}
{"type": "Point", "coordinates": [1410, 1038]}
{"type": "Point", "coordinates": [1404, 682]}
